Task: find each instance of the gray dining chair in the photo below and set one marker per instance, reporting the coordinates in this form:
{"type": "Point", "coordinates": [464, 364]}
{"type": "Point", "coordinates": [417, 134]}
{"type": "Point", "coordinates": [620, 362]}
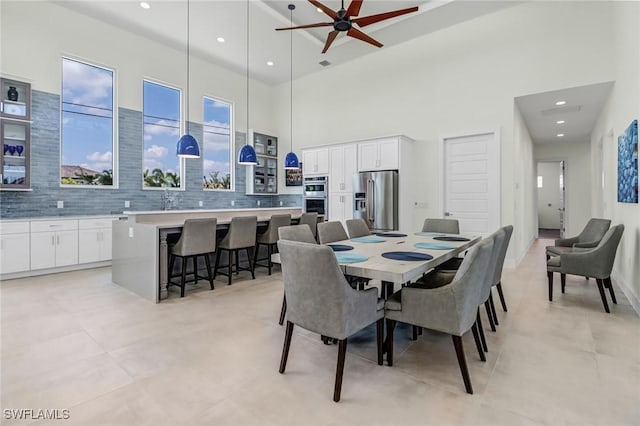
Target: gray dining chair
{"type": "Point", "coordinates": [497, 278]}
{"type": "Point", "coordinates": [357, 228]}
{"type": "Point", "coordinates": [269, 238]}
{"type": "Point", "coordinates": [320, 300]}
{"type": "Point", "coordinates": [310, 219]}
{"type": "Point", "coordinates": [588, 238]}
{"type": "Point", "coordinates": [330, 232]}
{"type": "Point", "coordinates": [302, 234]}
{"type": "Point", "coordinates": [596, 263]}
{"type": "Point", "coordinates": [450, 309]}
{"type": "Point", "coordinates": [241, 236]}
{"type": "Point", "coordinates": [198, 238]}
{"type": "Point", "coordinates": [446, 226]}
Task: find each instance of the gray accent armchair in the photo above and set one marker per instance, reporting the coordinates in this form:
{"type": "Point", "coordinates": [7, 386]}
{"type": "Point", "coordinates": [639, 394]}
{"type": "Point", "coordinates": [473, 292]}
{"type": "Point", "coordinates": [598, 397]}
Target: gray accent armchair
{"type": "Point", "coordinates": [269, 238]}
{"type": "Point", "coordinates": [357, 228]}
{"type": "Point", "coordinates": [450, 309]}
{"type": "Point", "coordinates": [320, 300]}
{"type": "Point", "coordinates": [330, 232]}
{"type": "Point", "coordinates": [446, 226]}
{"type": "Point", "coordinates": [310, 219]}
{"type": "Point", "coordinates": [588, 238]}
{"type": "Point", "coordinates": [596, 263]}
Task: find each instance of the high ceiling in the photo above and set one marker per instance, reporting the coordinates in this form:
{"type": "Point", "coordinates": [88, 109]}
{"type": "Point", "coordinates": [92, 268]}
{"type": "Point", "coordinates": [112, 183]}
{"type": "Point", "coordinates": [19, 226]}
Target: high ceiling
{"type": "Point", "coordinates": [166, 22]}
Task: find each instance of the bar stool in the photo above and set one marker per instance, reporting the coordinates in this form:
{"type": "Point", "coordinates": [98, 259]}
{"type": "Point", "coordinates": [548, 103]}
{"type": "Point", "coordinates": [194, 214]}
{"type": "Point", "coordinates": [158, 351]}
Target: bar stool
{"type": "Point", "coordinates": [198, 238]}
{"type": "Point", "coordinates": [310, 219]}
{"type": "Point", "coordinates": [270, 238]}
{"type": "Point", "coordinates": [241, 235]}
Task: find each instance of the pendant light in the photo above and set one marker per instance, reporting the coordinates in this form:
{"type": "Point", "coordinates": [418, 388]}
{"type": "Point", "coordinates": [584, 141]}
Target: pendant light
{"type": "Point", "coordinates": [247, 154]}
{"type": "Point", "coordinates": [291, 159]}
{"type": "Point", "coordinates": [187, 146]}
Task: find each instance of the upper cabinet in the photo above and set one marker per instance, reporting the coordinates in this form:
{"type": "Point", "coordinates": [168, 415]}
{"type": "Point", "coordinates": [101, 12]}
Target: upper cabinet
{"type": "Point", "coordinates": [315, 161]}
{"type": "Point", "coordinates": [343, 165]}
{"type": "Point", "coordinates": [381, 154]}
{"type": "Point", "coordinates": [263, 177]}
{"type": "Point", "coordinates": [15, 132]}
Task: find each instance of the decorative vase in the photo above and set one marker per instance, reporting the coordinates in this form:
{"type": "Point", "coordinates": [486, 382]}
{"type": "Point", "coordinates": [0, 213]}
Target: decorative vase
{"type": "Point", "coordinates": [12, 149]}
{"type": "Point", "coordinates": [19, 149]}
{"type": "Point", "coordinates": [6, 148]}
{"type": "Point", "coordinates": [12, 94]}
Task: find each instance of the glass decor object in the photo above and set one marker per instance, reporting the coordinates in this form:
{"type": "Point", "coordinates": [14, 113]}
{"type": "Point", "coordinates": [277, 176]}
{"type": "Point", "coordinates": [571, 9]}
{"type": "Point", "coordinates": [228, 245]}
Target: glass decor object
{"type": "Point", "coordinates": [12, 94]}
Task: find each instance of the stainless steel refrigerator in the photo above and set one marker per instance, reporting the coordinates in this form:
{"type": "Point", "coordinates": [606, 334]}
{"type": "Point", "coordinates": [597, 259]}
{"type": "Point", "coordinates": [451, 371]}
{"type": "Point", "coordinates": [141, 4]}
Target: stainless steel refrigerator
{"type": "Point", "coordinates": [376, 199]}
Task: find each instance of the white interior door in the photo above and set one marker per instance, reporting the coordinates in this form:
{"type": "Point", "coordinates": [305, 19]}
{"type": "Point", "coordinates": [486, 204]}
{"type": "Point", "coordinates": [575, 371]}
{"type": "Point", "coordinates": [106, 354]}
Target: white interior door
{"type": "Point", "coordinates": [471, 181]}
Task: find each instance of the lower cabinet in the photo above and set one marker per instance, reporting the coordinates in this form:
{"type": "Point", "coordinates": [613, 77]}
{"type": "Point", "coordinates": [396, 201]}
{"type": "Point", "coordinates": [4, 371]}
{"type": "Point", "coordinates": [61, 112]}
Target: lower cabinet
{"type": "Point", "coordinates": [54, 248]}
{"type": "Point", "coordinates": [14, 247]}
{"type": "Point", "coordinates": [341, 206]}
{"type": "Point", "coordinates": [94, 240]}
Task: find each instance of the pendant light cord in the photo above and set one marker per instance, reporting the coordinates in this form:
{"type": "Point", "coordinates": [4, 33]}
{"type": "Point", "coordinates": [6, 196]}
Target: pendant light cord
{"type": "Point", "coordinates": [291, 79]}
{"type": "Point", "coordinates": [186, 120]}
{"type": "Point", "coordinates": [247, 134]}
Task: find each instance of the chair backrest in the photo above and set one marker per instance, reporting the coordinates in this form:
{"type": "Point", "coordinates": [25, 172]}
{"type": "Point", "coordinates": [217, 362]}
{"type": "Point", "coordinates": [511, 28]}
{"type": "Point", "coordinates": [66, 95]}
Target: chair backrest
{"type": "Point", "coordinates": [357, 228]}
{"type": "Point", "coordinates": [270, 236]}
{"type": "Point", "coordinates": [446, 226]}
{"type": "Point", "coordinates": [310, 219]}
{"type": "Point", "coordinates": [606, 250]}
{"type": "Point", "coordinates": [329, 232]}
{"type": "Point", "coordinates": [198, 237]}
{"type": "Point", "coordinates": [502, 253]}
{"type": "Point", "coordinates": [242, 232]}
{"type": "Point", "coordinates": [594, 230]}
{"type": "Point", "coordinates": [300, 233]}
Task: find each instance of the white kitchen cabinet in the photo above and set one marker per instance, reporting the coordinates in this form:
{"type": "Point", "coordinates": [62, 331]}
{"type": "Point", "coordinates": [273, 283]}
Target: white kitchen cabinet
{"type": "Point", "coordinates": [54, 243]}
{"type": "Point", "coordinates": [14, 247]}
{"type": "Point", "coordinates": [343, 164]}
{"type": "Point", "coordinates": [94, 240]}
{"type": "Point", "coordinates": [315, 161]}
{"type": "Point", "coordinates": [381, 154]}
{"type": "Point", "coordinates": [340, 206]}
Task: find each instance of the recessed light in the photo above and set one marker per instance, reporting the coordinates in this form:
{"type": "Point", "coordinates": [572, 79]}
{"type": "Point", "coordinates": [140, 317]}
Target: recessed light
{"type": "Point", "coordinates": [145, 5]}
{"type": "Point", "coordinates": [560, 122]}
{"type": "Point", "coordinates": [560, 135]}
{"type": "Point", "coordinates": [220, 39]}
{"type": "Point", "coordinates": [561, 103]}
{"type": "Point", "coordinates": [319, 10]}
{"type": "Point", "coordinates": [270, 63]}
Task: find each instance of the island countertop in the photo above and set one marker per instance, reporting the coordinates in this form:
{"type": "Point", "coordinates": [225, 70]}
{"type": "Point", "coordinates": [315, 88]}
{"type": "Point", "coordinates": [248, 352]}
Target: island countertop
{"type": "Point", "coordinates": [168, 218]}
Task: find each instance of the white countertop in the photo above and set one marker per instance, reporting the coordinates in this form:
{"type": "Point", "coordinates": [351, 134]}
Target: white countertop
{"type": "Point", "coordinates": [44, 218]}
{"type": "Point", "coordinates": [133, 213]}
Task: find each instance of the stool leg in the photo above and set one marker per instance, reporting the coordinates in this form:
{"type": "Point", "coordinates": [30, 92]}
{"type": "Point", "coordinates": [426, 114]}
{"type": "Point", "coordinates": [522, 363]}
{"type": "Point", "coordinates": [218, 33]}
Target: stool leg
{"type": "Point", "coordinates": [184, 276]}
{"type": "Point", "coordinates": [237, 262]}
{"type": "Point", "coordinates": [208, 262]}
{"type": "Point", "coordinates": [230, 266]}
{"type": "Point", "coordinates": [172, 260]}
{"type": "Point", "coordinates": [255, 253]}
{"type": "Point", "coordinates": [194, 259]}
{"type": "Point", "coordinates": [252, 266]}
{"type": "Point", "coordinates": [269, 248]}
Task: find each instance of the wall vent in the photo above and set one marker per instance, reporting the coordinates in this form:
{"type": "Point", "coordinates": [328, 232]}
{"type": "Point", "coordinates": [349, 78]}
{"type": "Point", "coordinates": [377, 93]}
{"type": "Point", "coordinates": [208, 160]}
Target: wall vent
{"type": "Point", "coordinates": [325, 63]}
{"type": "Point", "coordinates": [562, 110]}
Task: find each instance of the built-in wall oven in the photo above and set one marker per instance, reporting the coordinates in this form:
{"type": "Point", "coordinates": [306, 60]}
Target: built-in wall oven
{"type": "Point", "coordinates": [315, 191]}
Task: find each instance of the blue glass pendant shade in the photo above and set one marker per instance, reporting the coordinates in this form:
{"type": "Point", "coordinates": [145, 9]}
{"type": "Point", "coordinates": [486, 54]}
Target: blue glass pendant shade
{"type": "Point", "coordinates": [291, 161]}
{"type": "Point", "coordinates": [247, 156]}
{"type": "Point", "coordinates": [187, 147]}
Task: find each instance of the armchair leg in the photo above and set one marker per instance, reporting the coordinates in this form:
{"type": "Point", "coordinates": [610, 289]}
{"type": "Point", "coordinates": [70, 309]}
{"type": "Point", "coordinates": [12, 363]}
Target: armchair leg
{"type": "Point", "coordinates": [550, 278]}
{"type": "Point", "coordinates": [457, 343]}
{"type": "Point", "coordinates": [502, 302]}
{"type": "Point", "coordinates": [493, 309]}
{"type": "Point", "coordinates": [602, 295]}
{"type": "Point", "coordinates": [391, 324]}
{"type": "Point", "coordinates": [379, 338]}
{"type": "Point", "coordinates": [285, 348]}
{"type": "Point", "coordinates": [283, 310]}
{"type": "Point", "coordinates": [563, 282]}
{"type": "Point", "coordinates": [476, 337]}
{"type": "Point", "coordinates": [481, 331]}
{"type": "Point", "coordinates": [489, 315]}
{"type": "Point", "coordinates": [342, 351]}
{"type": "Point", "coordinates": [607, 282]}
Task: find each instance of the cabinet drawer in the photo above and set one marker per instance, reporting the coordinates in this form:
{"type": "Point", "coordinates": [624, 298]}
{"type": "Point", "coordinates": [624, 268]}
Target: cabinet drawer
{"type": "Point", "coordinates": [54, 225]}
{"type": "Point", "coordinates": [14, 228]}
{"type": "Point", "coordinates": [95, 223]}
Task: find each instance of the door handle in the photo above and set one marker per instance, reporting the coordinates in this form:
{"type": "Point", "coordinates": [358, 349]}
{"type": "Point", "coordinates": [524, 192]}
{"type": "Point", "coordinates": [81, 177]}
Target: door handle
{"type": "Point", "coordinates": [447, 214]}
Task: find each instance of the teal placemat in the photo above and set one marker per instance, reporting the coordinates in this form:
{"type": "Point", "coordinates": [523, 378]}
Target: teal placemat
{"type": "Point", "coordinates": [430, 234]}
{"type": "Point", "coordinates": [434, 246]}
{"type": "Point", "coordinates": [344, 257]}
{"type": "Point", "coordinates": [368, 240]}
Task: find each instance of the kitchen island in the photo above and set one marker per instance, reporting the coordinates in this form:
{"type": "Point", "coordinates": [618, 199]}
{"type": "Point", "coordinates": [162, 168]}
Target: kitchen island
{"type": "Point", "coordinates": [140, 249]}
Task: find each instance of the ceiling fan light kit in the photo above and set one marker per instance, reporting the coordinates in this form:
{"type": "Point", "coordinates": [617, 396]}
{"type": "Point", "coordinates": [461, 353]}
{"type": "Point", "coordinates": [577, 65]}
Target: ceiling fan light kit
{"type": "Point", "coordinates": [344, 21]}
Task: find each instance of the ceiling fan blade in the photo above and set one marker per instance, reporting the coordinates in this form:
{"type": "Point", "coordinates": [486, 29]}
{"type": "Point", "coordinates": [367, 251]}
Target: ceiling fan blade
{"type": "Point", "coordinates": [372, 19]}
{"type": "Point", "coordinates": [324, 8]}
{"type": "Point", "coordinates": [319, 24]}
{"type": "Point", "coordinates": [332, 36]}
{"type": "Point", "coordinates": [354, 8]}
{"type": "Point", "coordinates": [356, 33]}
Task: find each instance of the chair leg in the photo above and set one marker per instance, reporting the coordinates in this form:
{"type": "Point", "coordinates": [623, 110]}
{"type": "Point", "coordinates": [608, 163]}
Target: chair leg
{"type": "Point", "coordinates": [252, 265]}
{"type": "Point", "coordinates": [215, 266]}
{"type": "Point", "coordinates": [342, 352]}
{"type": "Point", "coordinates": [391, 324]}
{"type": "Point", "coordinates": [208, 263]}
{"type": "Point", "coordinates": [607, 282]}
{"type": "Point", "coordinates": [481, 331]}
{"type": "Point", "coordinates": [457, 343]}
{"type": "Point", "coordinates": [489, 315]}
{"type": "Point", "coordinates": [419, 331]}
{"type": "Point", "coordinates": [602, 295]}
{"type": "Point", "coordinates": [550, 278]}
{"type": "Point", "coordinates": [548, 257]}
{"type": "Point", "coordinates": [563, 282]}
{"type": "Point", "coordinates": [283, 310]}
{"type": "Point", "coordinates": [502, 302]}
{"type": "Point", "coordinates": [194, 260]}
{"type": "Point", "coordinates": [379, 338]}
{"type": "Point", "coordinates": [184, 276]}
{"type": "Point", "coordinates": [269, 251]}
{"type": "Point", "coordinates": [476, 337]}
{"type": "Point", "coordinates": [237, 255]}
{"type": "Point", "coordinates": [230, 266]}
{"type": "Point", "coordinates": [256, 251]}
{"type": "Point", "coordinates": [493, 309]}
{"type": "Point", "coordinates": [285, 349]}
{"type": "Point", "coordinates": [414, 332]}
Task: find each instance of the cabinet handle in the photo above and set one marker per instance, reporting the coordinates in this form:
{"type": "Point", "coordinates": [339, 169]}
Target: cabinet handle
{"type": "Point", "coordinates": [53, 240]}
{"type": "Point", "coordinates": [58, 239]}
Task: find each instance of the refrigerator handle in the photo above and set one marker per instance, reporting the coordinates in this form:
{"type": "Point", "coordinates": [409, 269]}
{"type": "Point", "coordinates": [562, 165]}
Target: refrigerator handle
{"type": "Point", "coordinates": [371, 199]}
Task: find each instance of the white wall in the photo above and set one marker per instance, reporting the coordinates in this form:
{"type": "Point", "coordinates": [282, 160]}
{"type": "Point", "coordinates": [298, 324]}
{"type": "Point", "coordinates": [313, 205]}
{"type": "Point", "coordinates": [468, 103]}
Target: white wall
{"type": "Point", "coordinates": [549, 195]}
{"type": "Point", "coordinates": [525, 191]}
{"type": "Point", "coordinates": [622, 107]}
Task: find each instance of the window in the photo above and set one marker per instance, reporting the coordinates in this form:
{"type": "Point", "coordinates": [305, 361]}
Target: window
{"type": "Point", "coordinates": [217, 156]}
{"type": "Point", "coordinates": [162, 124]}
{"type": "Point", "coordinates": [87, 137]}
{"type": "Point", "coordinates": [539, 181]}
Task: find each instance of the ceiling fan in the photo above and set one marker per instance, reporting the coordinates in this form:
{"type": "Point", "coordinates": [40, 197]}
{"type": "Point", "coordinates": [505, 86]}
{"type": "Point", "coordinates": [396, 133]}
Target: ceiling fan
{"type": "Point", "coordinates": [343, 21]}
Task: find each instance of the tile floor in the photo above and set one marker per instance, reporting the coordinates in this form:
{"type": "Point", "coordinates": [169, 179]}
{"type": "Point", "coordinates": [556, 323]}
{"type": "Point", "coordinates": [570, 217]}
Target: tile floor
{"type": "Point", "coordinates": [76, 341]}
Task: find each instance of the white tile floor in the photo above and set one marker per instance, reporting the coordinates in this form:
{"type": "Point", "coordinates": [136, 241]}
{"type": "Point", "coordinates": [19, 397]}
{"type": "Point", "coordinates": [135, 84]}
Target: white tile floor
{"type": "Point", "coordinates": [76, 341]}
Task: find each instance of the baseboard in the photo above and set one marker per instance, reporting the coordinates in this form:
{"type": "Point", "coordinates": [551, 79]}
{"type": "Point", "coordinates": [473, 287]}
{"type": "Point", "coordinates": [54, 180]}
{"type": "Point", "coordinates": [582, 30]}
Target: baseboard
{"type": "Point", "coordinates": [631, 296]}
{"type": "Point", "coordinates": [58, 270]}
{"type": "Point", "coordinates": [513, 263]}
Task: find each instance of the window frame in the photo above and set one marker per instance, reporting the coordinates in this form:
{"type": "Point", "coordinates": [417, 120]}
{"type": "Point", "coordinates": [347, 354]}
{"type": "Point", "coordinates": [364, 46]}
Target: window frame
{"type": "Point", "coordinates": [182, 128]}
{"type": "Point", "coordinates": [232, 142]}
{"type": "Point", "coordinates": [115, 184]}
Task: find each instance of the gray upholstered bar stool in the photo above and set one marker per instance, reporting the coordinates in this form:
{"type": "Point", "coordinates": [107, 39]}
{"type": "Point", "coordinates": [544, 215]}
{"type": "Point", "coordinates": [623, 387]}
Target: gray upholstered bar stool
{"type": "Point", "coordinates": [310, 219]}
{"type": "Point", "coordinates": [357, 228]}
{"type": "Point", "coordinates": [330, 232]}
{"type": "Point", "coordinates": [269, 238]}
{"type": "Point", "coordinates": [198, 238]}
{"type": "Point", "coordinates": [241, 235]}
